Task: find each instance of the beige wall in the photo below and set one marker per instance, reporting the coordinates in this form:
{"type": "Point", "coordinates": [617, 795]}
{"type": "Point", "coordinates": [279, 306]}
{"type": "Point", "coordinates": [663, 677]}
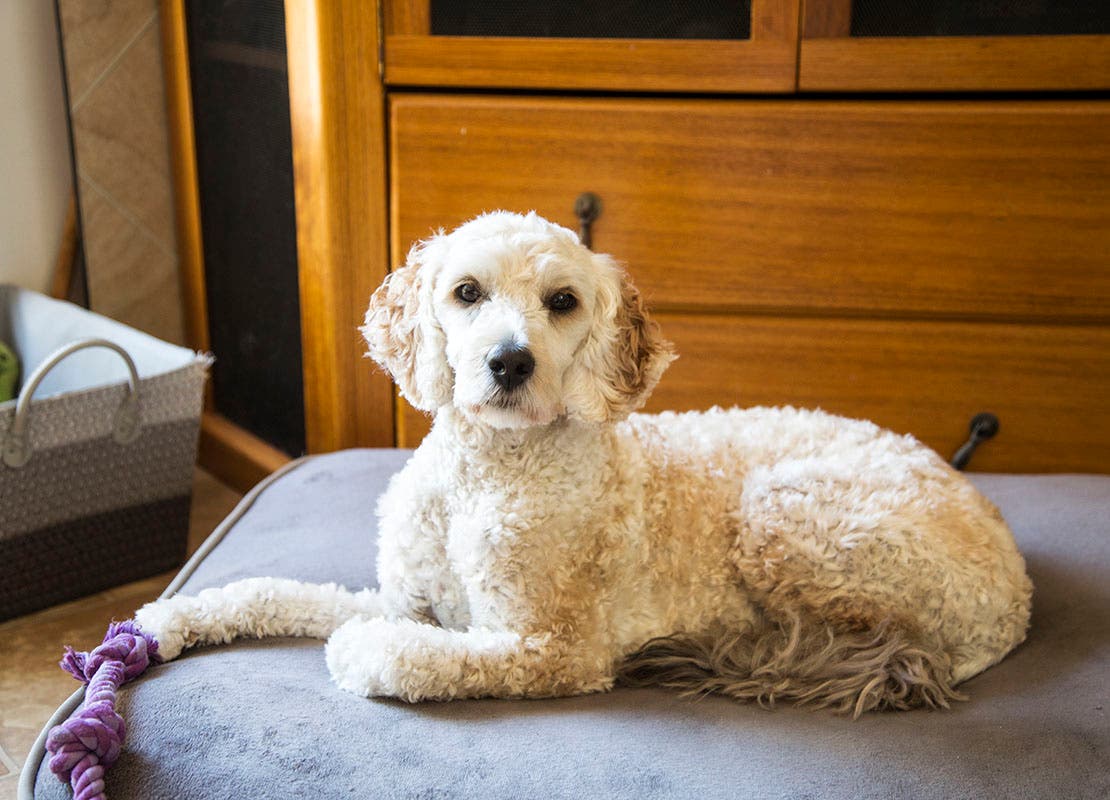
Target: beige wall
{"type": "Point", "coordinates": [35, 176]}
{"type": "Point", "coordinates": [113, 59]}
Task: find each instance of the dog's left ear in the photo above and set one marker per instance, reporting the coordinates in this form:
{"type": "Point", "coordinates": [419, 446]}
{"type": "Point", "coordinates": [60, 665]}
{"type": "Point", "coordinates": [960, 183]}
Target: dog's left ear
{"type": "Point", "coordinates": [404, 336]}
{"type": "Point", "coordinates": [625, 355]}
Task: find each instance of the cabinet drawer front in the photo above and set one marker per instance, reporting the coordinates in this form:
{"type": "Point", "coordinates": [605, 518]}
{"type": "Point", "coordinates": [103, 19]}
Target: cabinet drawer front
{"type": "Point", "coordinates": [1048, 385]}
{"type": "Point", "coordinates": [985, 209]}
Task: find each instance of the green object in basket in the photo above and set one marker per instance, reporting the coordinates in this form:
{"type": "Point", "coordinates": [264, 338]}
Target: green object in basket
{"type": "Point", "coordinates": [9, 373]}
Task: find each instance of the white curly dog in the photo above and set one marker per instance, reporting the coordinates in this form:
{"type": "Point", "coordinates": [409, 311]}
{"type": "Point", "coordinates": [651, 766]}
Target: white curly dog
{"type": "Point", "coordinates": [541, 541]}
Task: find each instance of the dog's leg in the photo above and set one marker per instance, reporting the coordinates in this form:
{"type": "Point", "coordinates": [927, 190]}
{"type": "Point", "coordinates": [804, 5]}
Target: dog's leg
{"type": "Point", "coordinates": [412, 564]}
{"type": "Point", "coordinates": [254, 608]}
{"type": "Point", "coordinates": [413, 662]}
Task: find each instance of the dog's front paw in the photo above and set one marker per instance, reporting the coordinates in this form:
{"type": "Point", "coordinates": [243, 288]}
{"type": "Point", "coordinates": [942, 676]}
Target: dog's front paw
{"type": "Point", "coordinates": [361, 658]}
{"type": "Point", "coordinates": [408, 660]}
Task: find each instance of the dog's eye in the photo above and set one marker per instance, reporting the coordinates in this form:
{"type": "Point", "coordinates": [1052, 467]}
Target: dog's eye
{"type": "Point", "coordinates": [468, 292]}
{"type": "Point", "coordinates": [562, 301]}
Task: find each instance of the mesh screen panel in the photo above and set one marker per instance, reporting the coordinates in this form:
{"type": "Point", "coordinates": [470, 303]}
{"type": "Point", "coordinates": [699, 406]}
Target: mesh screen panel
{"type": "Point", "coordinates": [979, 17]}
{"type": "Point", "coordinates": [245, 176]}
{"type": "Point", "coordinates": [619, 19]}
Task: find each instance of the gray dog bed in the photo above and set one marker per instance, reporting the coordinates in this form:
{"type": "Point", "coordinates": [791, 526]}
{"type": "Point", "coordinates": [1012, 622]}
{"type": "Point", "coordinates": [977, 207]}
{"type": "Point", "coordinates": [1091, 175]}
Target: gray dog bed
{"type": "Point", "coordinates": [261, 719]}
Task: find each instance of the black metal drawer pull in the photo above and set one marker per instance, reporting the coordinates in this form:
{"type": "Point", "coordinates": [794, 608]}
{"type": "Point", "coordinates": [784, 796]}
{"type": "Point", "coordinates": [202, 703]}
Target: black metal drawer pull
{"type": "Point", "coordinates": [587, 208]}
{"type": "Point", "coordinates": [983, 426]}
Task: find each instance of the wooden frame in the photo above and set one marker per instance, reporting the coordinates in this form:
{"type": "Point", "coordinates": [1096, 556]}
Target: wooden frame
{"type": "Point", "coordinates": [336, 97]}
{"type": "Point", "coordinates": [952, 63]}
{"type": "Point", "coordinates": [831, 59]}
{"type": "Point", "coordinates": [183, 157]}
{"type": "Point", "coordinates": [337, 105]}
{"type": "Point", "coordinates": [826, 18]}
{"type": "Point", "coordinates": [767, 62]}
{"type": "Point", "coordinates": [61, 281]}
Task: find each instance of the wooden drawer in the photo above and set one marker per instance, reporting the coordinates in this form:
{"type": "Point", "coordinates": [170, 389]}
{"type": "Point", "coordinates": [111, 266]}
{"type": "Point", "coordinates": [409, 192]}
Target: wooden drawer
{"type": "Point", "coordinates": [913, 263]}
{"type": "Point", "coordinates": [985, 209]}
{"type": "Point", "coordinates": [1048, 384]}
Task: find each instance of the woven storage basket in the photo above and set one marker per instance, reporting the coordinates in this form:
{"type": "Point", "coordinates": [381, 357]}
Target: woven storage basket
{"type": "Point", "coordinates": [96, 453]}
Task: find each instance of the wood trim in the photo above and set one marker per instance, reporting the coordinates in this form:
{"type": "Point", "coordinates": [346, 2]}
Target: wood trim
{"type": "Point", "coordinates": [766, 65]}
{"type": "Point", "coordinates": [827, 19]}
{"type": "Point", "coordinates": [775, 20]}
{"type": "Point", "coordinates": [337, 111]}
{"type": "Point", "coordinates": [408, 16]}
{"type": "Point", "coordinates": [179, 110]}
{"type": "Point", "coordinates": [770, 19]}
{"type": "Point", "coordinates": [235, 455]}
{"type": "Point", "coordinates": [397, 255]}
{"type": "Point", "coordinates": [67, 251]}
{"type": "Point", "coordinates": [955, 63]}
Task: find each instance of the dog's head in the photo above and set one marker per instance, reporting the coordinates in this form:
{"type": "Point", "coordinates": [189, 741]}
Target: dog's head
{"type": "Point", "coordinates": [511, 320]}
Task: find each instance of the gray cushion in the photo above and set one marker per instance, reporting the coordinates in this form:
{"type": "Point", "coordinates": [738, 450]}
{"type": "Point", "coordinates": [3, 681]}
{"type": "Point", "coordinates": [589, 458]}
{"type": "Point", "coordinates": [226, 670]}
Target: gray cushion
{"type": "Point", "coordinates": [262, 719]}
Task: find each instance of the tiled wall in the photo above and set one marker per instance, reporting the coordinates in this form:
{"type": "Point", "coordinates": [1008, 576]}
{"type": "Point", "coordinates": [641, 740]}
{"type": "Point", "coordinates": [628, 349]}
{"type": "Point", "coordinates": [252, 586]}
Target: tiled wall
{"type": "Point", "coordinates": [113, 59]}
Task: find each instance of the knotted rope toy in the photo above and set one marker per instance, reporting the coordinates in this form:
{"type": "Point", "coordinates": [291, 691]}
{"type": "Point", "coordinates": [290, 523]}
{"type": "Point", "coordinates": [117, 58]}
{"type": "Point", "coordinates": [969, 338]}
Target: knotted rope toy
{"type": "Point", "coordinates": [86, 744]}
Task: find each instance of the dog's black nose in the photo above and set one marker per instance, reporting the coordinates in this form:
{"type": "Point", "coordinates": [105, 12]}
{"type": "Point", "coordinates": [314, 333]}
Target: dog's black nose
{"type": "Point", "coordinates": [511, 365]}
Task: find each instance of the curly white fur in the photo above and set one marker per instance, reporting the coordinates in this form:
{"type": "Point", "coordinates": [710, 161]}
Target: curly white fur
{"type": "Point", "coordinates": [544, 541]}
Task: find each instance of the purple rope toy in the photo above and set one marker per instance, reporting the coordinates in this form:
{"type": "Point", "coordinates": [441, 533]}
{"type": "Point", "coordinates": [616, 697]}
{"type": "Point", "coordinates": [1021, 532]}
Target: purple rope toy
{"type": "Point", "coordinates": [86, 744]}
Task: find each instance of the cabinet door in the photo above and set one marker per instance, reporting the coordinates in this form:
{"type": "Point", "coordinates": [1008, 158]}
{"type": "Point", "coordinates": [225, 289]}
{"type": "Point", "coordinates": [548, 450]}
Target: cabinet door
{"type": "Point", "coordinates": [630, 45]}
{"type": "Point", "coordinates": [937, 45]}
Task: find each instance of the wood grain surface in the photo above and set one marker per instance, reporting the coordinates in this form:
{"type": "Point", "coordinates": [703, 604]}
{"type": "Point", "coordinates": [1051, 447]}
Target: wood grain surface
{"type": "Point", "coordinates": [407, 16]}
{"type": "Point", "coordinates": [659, 65]}
{"type": "Point", "coordinates": [186, 189]}
{"type": "Point", "coordinates": [826, 18]}
{"type": "Point", "coordinates": [985, 209]}
{"type": "Point", "coordinates": [1048, 385]}
{"type": "Point", "coordinates": [237, 456]}
{"type": "Point", "coordinates": [910, 262]}
{"type": "Point", "coordinates": [946, 63]}
{"type": "Point", "coordinates": [767, 62]}
{"type": "Point", "coordinates": [338, 124]}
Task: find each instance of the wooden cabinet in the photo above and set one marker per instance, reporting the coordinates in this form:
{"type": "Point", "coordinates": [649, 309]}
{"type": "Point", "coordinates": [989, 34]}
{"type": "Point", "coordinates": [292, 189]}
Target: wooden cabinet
{"type": "Point", "coordinates": [913, 258]}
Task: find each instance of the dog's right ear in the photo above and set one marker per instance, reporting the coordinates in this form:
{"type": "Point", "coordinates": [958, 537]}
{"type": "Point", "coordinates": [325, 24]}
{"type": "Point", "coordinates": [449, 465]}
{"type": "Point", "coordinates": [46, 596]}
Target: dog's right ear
{"type": "Point", "coordinates": [403, 334]}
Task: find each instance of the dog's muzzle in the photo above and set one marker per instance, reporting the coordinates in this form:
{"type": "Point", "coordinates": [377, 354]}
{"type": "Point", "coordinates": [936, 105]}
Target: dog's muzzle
{"type": "Point", "coordinates": [511, 365]}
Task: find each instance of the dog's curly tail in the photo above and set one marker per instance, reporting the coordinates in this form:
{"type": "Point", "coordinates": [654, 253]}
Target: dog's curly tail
{"type": "Point", "coordinates": [811, 664]}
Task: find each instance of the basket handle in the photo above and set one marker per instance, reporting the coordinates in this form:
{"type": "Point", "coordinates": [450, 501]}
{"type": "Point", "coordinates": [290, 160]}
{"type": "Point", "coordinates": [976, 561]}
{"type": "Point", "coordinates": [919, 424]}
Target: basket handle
{"type": "Point", "coordinates": [125, 428]}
